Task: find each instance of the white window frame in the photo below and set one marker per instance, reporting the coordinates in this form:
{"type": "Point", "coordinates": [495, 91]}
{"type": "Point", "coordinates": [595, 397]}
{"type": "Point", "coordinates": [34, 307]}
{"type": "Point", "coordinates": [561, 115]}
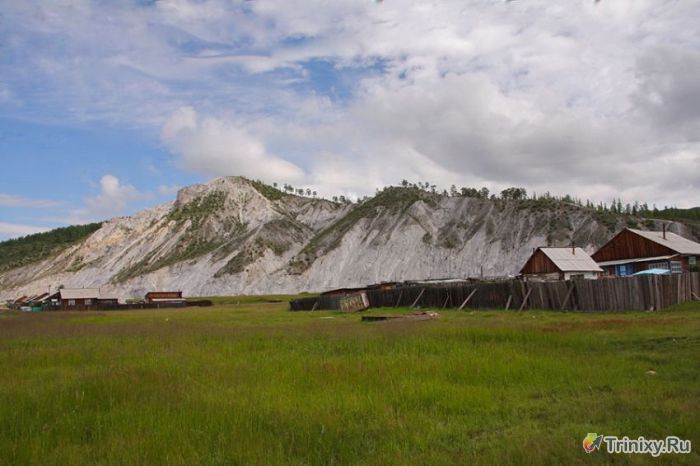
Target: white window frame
{"type": "Point", "coordinates": [676, 267]}
{"type": "Point", "coordinates": [71, 302]}
{"type": "Point", "coordinates": [692, 260]}
{"type": "Point", "coordinates": [88, 302]}
{"type": "Point", "coordinates": [659, 265]}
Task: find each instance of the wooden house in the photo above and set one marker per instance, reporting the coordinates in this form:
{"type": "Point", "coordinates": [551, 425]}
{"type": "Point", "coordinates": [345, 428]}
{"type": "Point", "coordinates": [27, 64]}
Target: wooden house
{"type": "Point", "coordinates": [560, 264]}
{"type": "Point", "coordinates": [78, 299]}
{"type": "Point", "coordinates": [169, 297]}
{"type": "Point", "coordinates": [19, 302]}
{"type": "Point", "coordinates": [632, 251]}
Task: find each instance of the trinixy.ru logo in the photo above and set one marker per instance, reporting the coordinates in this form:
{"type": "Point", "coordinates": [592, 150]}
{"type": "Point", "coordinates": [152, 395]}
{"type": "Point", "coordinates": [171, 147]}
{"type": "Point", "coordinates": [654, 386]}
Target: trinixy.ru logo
{"type": "Point", "coordinates": [592, 442]}
{"type": "Point", "coordinates": [642, 446]}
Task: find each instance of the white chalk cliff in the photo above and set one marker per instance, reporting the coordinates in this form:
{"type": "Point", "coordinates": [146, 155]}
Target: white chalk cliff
{"type": "Point", "coordinates": [234, 236]}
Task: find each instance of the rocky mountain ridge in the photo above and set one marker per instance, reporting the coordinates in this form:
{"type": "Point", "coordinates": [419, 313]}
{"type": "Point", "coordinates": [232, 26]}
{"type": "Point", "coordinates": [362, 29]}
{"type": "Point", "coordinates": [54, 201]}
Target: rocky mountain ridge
{"type": "Point", "coordinates": [236, 236]}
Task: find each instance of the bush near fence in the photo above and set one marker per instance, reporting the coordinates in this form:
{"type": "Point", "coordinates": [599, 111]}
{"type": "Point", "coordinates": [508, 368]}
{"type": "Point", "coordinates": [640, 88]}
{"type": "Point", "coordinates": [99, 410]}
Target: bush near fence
{"type": "Point", "coordinates": [606, 294]}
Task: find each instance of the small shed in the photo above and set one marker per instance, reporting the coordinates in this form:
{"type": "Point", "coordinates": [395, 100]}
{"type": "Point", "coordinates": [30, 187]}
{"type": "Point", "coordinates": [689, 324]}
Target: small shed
{"type": "Point", "coordinates": [560, 264]}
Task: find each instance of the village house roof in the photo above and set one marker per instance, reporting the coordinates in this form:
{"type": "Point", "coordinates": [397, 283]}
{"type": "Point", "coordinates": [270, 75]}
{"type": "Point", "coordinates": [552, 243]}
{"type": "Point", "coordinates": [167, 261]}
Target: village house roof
{"type": "Point", "coordinates": [672, 241]}
{"type": "Point", "coordinates": [567, 261]}
{"type": "Point", "coordinates": [80, 293]}
{"type": "Point", "coordinates": [164, 294]}
{"type": "Point", "coordinates": [39, 298]}
{"type": "Point", "coordinates": [640, 259]}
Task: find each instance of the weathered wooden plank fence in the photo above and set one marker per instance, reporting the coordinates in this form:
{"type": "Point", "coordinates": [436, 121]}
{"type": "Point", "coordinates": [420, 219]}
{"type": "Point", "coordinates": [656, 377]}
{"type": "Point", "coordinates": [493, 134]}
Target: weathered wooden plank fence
{"type": "Point", "coordinates": [609, 294]}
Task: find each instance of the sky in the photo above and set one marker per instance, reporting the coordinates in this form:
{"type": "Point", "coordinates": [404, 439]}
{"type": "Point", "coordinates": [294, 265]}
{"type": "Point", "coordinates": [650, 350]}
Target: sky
{"type": "Point", "coordinates": [108, 107]}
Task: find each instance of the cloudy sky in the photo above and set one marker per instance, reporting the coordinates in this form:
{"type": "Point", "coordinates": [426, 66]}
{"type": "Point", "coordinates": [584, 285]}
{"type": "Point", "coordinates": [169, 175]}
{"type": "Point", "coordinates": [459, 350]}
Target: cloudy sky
{"type": "Point", "coordinates": [107, 107]}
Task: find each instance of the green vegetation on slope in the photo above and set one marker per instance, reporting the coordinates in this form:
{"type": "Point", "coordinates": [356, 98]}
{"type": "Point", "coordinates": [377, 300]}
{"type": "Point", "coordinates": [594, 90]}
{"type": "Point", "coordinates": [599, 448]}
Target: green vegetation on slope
{"type": "Point", "coordinates": [673, 213]}
{"type": "Point", "coordinates": [270, 192]}
{"type": "Point", "coordinates": [690, 217]}
{"type": "Point", "coordinates": [193, 243]}
{"type": "Point", "coordinates": [254, 384]}
{"type": "Point", "coordinates": [199, 208]}
{"type": "Point", "coordinates": [393, 199]}
{"type": "Point", "coordinates": [39, 246]}
{"type": "Point", "coordinates": [277, 235]}
{"type": "Point", "coordinates": [185, 250]}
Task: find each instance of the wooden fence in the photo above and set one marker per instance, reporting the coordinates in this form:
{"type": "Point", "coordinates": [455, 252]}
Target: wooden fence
{"type": "Point", "coordinates": [129, 306]}
{"type": "Point", "coordinates": [608, 294]}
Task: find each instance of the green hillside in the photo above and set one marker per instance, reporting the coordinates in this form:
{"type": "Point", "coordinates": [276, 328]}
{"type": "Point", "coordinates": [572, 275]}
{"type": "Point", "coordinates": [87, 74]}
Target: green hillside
{"type": "Point", "coordinates": [33, 248]}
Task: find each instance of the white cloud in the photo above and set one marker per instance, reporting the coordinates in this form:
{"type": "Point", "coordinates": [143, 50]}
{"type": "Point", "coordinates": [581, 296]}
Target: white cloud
{"type": "Point", "coordinates": [13, 230]}
{"type": "Point", "coordinates": [595, 99]}
{"type": "Point", "coordinates": [9, 200]}
{"type": "Point", "coordinates": [113, 196]}
{"type": "Point", "coordinates": [112, 200]}
{"type": "Point", "coordinates": [217, 147]}
{"type": "Point", "coordinates": [168, 190]}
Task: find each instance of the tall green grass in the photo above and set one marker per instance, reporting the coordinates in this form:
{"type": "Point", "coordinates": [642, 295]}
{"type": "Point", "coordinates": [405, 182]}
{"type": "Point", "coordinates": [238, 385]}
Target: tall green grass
{"type": "Point", "coordinates": [254, 384]}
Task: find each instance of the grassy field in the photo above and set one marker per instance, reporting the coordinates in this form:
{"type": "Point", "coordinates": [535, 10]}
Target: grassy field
{"type": "Point", "coordinates": [251, 383]}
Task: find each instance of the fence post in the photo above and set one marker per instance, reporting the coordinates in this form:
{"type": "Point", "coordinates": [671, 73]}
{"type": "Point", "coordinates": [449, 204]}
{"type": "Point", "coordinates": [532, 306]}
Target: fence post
{"type": "Point", "coordinates": [568, 294]}
{"type": "Point", "coordinates": [398, 301]}
{"type": "Point", "coordinates": [419, 296]}
{"type": "Point", "coordinates": [527, 295]}
{"type": "Point", "coordinates": [468, 298]}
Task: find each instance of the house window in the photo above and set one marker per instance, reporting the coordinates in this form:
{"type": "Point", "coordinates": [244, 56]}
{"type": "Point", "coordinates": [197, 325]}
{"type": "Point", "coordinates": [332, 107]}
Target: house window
{"type": "Point", "coordinates": [88, 302]}
{"type": "Point", "coordinates": [691, 261]}
{"type": "Point", "coordinates": [624, 270]}
{"type": "Point", "coordinates": [676, 267]}
{"type": "Point", "coordinates": [71, 302]}
{"type": "Point", "coordinates": [659, 265]}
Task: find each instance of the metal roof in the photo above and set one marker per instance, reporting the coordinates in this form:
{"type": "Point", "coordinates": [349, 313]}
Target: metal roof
{"type": "Point", "coordinates": [672, 241]}
{"type": "Point", "coordinates": [39, 298]}
{"type": "Point", "coordinates": [567, 261]}
{"type": "Point", "coordinates": [80, 293]}
{"type": "Point", "coordinates": [640, 259]}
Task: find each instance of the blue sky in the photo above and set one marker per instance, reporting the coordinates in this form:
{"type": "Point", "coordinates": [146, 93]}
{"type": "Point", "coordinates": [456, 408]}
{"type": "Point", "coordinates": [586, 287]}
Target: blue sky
{"type": "Point", "coordinates": [108, 107]}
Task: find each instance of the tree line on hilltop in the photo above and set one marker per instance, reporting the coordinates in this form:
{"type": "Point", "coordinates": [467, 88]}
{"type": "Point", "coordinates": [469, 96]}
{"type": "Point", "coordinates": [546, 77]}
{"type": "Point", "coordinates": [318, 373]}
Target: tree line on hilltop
{"type": "Point", "coordinates": [616, 205]}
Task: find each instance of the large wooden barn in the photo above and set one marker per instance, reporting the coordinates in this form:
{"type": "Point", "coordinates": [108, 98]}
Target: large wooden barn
{"type": "Point", "coordinates": [560, 264]}
{"type": "Point", "coordinates": [632, 251]}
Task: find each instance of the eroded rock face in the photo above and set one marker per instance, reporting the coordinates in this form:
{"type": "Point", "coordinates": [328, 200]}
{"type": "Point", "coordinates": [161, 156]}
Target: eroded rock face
{"type": "Point", "coordinates": [233, 236]}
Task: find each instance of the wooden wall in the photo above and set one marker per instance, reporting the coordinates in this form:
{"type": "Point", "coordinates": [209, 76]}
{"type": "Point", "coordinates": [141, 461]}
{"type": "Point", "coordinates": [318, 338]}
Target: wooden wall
{"type": "Point", "coordinates": [629, 245]}
{"type": "Point", "coordinates": [539, 263]}
{"type": "Point", "coordinates": [611, 294]}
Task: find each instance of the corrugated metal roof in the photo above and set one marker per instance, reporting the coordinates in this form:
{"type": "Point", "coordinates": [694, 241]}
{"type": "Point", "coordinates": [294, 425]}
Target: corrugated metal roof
{"type": "Point", "coordinates": [672, 241]}
{"type": "Point", "coordinates": [567, 261]}
{"type": "Point", "coordinates": [641, 259]}
{"type": "Point", "coordinates": [80, 293]}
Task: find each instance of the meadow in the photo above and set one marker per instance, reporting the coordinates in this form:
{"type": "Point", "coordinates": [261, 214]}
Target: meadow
{"type": "Point", "coordinates": [247, 382]}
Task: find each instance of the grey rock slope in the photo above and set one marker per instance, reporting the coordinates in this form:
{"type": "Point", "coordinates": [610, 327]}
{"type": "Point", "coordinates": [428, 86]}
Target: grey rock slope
{"type": "Point", "coordinates": [235, 236]}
